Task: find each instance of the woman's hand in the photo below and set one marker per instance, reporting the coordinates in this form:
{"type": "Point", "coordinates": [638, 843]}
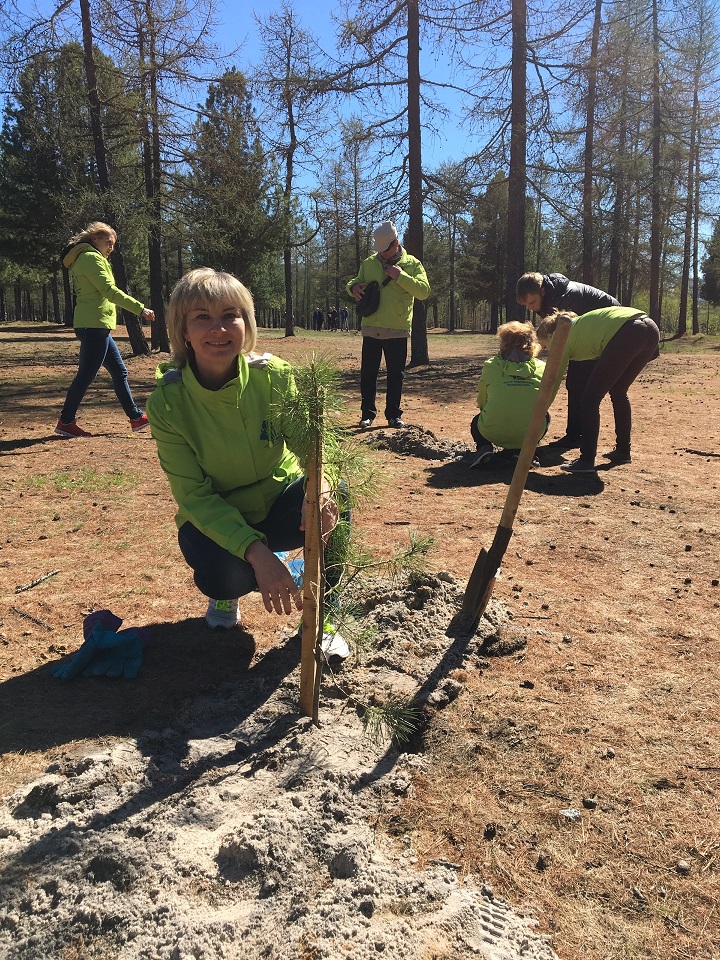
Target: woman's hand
{"type": "Point", "coordinates": [275, 583]}
{"type": "Point", "coordinates": [328, 512]}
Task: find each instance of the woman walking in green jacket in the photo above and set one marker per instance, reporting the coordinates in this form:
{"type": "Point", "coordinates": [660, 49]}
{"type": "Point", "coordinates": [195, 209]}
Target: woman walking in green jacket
{"type": "Point", "coordinates": [225, 444]}
{"type": "Point", "coordinates": [97, 299]}
{"type": "Point", "coordinates": [506, 392]}
{"type": "Point", "coordinates": [623, 341]}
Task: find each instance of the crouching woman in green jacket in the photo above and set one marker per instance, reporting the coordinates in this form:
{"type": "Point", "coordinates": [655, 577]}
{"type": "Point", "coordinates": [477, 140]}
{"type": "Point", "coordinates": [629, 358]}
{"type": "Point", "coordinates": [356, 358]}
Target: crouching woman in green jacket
{"type": "Point", "coordinates": [623, 340]}
{"type": "Point", "coordinates": [506, 392]}
{"type": "Point", "coordinates": [225, 443]}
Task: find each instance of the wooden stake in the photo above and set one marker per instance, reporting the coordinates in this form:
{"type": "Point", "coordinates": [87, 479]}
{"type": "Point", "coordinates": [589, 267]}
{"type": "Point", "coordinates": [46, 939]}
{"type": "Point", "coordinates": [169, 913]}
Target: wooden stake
{"type": "Point", "coordinates": [312, 620]}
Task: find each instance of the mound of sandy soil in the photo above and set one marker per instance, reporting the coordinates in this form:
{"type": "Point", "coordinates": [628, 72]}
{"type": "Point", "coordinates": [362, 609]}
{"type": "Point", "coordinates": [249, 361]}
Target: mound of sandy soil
{"type": "Point", "coordinates": [415, 441]}
{"type": "Point", "coordinates": [246, 832]}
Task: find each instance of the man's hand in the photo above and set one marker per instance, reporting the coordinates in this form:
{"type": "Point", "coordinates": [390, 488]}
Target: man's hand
{"type": "Point", "coordinates": [357, 291]}
{"type": "Point", "coordinates": [275, 583]}
{"type": "Point", "coordinates": [393, 271]}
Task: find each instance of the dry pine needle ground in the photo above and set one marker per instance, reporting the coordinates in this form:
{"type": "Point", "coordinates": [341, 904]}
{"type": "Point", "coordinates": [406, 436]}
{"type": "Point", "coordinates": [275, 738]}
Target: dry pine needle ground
{"type": "Point", "coordinates": [604, 701]}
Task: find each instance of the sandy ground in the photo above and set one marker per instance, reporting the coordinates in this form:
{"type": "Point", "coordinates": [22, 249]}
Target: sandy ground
{"type": "Point", "coordinates": [192, 814]}
{"type": "Point", "coordinates": [244, 831]}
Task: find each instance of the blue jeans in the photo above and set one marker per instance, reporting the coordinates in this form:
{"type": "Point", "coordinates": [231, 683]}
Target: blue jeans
{"type": "Point", "coordinates": [98, 349]}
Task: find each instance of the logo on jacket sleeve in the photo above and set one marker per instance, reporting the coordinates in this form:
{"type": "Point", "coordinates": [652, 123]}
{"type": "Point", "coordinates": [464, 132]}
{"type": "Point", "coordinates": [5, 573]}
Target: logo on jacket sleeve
{"type": "Point", "coordinates": [269, 432]}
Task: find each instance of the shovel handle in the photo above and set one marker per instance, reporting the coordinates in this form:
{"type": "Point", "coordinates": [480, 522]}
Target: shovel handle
{"type": "Point", "coordinates": [482, 579]}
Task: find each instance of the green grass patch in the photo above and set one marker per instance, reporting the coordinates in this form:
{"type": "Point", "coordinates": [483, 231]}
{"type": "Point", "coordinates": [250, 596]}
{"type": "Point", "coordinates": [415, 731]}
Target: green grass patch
{"type": "Point", "coordinates": [86, 479]}
{"type": "Point", "coordinates": [694, 343]}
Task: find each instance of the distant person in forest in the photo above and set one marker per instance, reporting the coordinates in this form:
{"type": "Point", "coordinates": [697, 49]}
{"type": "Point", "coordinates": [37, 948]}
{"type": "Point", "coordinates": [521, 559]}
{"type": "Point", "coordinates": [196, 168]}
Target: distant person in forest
{"type": "Point", "coordinates": [97, 298]}
{"type": "Point", "coordinates": [623, 341]}
{"type": "Point", "coordinates": [317, 319]}
{"type": "Point", "coordinates": [332, 320]}
{"type": "Point", "coordinates": [506, 393]}
{"type": "Point", "coordinates": [344, 320]}
{"type": "Point", "coordinates": [543, 294]}
{"type": "Point", "coordinates": [401, 280]}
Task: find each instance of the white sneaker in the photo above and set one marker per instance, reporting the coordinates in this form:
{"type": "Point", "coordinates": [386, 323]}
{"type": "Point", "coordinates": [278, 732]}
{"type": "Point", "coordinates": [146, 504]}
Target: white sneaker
{"type": "Point", "coordinates": [222, 613]}
{"type": "Point", "coordinates": [333, 645]}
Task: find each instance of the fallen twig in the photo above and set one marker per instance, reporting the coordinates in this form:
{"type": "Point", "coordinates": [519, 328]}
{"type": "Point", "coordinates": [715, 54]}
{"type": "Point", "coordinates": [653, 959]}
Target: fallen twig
{"type": "Point", "coordinates": [29, 616]}
{"type": "Point", "coordinates": [34, 583]}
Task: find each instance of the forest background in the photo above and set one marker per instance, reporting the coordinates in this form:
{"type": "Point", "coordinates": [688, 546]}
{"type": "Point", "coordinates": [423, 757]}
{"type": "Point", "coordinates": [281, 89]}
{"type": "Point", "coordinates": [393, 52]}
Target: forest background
{"type": "Point", "coordinates": [500, 138]}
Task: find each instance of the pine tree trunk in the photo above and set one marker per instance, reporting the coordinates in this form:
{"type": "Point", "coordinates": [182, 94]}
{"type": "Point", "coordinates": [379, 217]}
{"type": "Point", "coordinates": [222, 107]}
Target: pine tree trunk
{"type": "Point", "coordinates": [589, 148]}
{"type": "Point", "coordinates": [517, 181]}
{"type": "Point", "coordinates": [418, 340]}
{"type": "Point", "coordinates": [132, 323]}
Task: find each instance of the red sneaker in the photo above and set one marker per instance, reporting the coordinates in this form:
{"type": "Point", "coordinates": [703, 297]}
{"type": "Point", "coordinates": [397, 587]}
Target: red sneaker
{"type": "Point", "coordinates": [139, 424]}
{"type": "Point", "coordinates": [70, 430]}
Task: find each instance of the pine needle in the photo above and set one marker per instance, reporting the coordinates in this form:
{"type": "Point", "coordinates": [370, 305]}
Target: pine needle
{"type": "Point", "coordinates": [393, 720]}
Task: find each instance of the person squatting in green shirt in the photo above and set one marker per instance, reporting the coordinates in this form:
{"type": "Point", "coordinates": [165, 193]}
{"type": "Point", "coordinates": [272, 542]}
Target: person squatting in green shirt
{"type": "Point", "coordinates": [225, 444]}
{"type": "Point", "coordinates": [506, 393]}
{"type": "Point", "coordinates": [623, 340]}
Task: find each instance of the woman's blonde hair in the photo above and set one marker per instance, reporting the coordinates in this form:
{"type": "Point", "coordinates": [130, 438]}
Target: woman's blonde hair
{"type": "Point", "coordinates": [93, 231]}
{"type": "Point", "coordinates": [546, 327]}
{"type": "Point", "coordinates": [206, 285]}
{"type": "Point", "coordinates": [518, 336]}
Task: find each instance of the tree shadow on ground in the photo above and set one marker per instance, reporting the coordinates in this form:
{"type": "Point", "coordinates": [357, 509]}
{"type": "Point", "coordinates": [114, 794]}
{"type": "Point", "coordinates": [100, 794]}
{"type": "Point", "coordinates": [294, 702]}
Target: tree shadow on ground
{"type": "Point", "coordinates": [457, 473]}
{"type": "Point", "coordinates": [186, 691]}
{"type": "Point", "coordinates": [182, 663]}
{"type": "Point", "coordinates": [9, 446]}
{"type": "Point", "coordinates": [451, 380]}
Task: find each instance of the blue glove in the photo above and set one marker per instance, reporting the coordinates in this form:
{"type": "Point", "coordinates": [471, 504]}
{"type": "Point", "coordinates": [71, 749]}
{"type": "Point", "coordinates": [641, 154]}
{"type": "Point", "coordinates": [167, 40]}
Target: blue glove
{"type": "Point", "coordinates": [122, 660]}
{"type": "Point", "coordinates": [104, 654]}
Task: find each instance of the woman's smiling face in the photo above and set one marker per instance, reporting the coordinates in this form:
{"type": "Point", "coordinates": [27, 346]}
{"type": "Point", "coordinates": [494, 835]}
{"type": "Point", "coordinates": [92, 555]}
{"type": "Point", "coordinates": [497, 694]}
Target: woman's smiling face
{"type": "Point", "coordinates": [216, 333]}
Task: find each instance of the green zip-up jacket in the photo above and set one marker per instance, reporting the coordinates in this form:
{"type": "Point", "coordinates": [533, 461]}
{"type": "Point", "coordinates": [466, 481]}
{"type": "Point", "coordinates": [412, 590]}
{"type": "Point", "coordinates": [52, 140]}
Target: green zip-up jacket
{"type": "Point", "coordinates": [225, 452]}
{"type": "Point", "coordinates": [506, 396]}
{"type": "Point", "coordinates": [592, 332]}
{"type": "Point", "coordinates": [396, 298]}
{"type": "Point", "coordinates": [97, 296]}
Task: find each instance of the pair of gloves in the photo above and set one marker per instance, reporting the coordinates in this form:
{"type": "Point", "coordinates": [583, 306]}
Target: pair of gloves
{"type": "Point", "coordinates": [106, 652]}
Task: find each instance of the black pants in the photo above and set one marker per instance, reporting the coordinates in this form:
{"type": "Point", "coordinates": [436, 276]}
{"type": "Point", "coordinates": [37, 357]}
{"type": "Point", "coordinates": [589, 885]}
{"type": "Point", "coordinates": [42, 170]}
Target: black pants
{"type": "Point", "coordinates": [632, 348]}
{"type": "Point", "coordinates": [395, 351]}
{"type": "Point", "coordinates": [578, 374]}
{"type": "Point", "coordinates": [223, 576]}
{"type": "Point", "coordinates": [480, 440]}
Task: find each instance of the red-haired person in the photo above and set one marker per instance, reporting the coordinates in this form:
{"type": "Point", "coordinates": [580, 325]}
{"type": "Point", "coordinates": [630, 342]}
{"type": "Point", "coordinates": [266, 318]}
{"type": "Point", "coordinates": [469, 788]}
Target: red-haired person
{"type": "Point", "coordinates": [507, 390]}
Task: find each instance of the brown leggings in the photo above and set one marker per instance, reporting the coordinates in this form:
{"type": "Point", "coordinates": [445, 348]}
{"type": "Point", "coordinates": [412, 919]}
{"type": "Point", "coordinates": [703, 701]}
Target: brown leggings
{"type": "Point", "coordinates": [632, 348]}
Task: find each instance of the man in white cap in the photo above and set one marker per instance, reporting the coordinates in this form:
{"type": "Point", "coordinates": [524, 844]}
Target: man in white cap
{"type": "Point", "coordinates": [401, 279]}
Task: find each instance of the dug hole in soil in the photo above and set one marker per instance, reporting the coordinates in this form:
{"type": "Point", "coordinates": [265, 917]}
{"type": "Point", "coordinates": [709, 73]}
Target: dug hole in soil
{"type": "Point", "coordinates": [245, 831]}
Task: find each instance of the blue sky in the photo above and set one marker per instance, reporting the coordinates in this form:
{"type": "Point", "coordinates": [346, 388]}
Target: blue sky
{"type": "Point", "coordinates": [238, 27]}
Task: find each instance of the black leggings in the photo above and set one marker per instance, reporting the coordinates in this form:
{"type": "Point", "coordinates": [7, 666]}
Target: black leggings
{"type": "Point", "coordinates": [628, 352]}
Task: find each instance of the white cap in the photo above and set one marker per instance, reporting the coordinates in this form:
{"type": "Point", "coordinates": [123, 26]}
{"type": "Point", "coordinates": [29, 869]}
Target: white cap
{"type": "Point", "coordinates": [384, 235]}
